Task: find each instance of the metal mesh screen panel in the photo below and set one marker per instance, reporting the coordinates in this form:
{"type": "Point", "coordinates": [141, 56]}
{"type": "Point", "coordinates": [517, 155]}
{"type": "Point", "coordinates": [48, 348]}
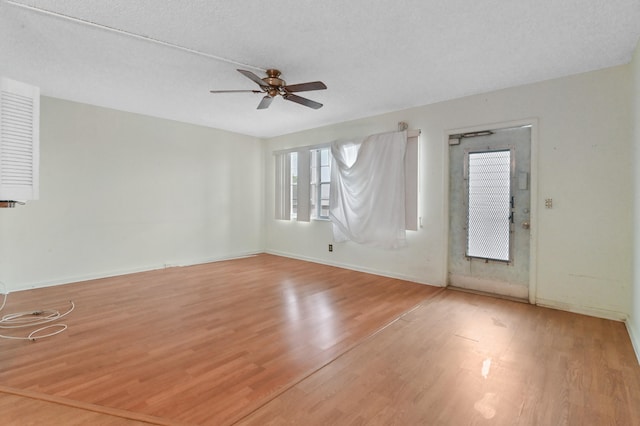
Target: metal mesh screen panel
{"type": "Point", "coordinates": [489, 206]}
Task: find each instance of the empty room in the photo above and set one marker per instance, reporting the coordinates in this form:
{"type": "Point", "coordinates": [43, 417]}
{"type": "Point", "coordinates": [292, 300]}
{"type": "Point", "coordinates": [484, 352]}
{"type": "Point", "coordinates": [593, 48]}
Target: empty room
{"type": "Point", "coordinates": [319, 213]}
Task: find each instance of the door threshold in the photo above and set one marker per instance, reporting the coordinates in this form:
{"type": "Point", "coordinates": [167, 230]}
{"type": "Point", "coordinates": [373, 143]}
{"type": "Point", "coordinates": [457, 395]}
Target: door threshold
{"type": "Point", "coordinates": [486, 293]}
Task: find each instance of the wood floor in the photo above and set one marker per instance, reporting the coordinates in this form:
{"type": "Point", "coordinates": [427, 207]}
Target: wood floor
{"type": "Point", "coordinates": [270, 340]}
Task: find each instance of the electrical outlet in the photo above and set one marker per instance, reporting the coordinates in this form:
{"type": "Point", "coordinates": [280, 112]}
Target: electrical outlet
{"type": "Point", "coordinates": [330, 247]}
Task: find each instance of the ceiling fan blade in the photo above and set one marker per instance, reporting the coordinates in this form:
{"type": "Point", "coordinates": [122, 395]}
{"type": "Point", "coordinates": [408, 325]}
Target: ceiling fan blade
{"type": "Point", "coordinates": [235, 91]}
{"type": "Point", "coordinates": [251, 76]}
{"type": "Point", "coordinates": [305, 87]}
{"type": "Point", "coordinates": [265, 102]}
{"type": "Point", "coordinates": [302, 101]}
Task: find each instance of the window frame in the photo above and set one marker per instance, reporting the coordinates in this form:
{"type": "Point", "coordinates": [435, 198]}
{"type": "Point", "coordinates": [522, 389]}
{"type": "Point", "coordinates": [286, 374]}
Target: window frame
{"type": "Point", "coordinates": [304, 214]}
{"type": "Point", "coordinates": [317, 183]}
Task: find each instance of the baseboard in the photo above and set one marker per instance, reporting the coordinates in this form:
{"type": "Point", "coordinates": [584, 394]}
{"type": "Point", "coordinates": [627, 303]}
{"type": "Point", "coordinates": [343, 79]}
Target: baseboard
{"type": "Point", "coordinates": [583, 310]}
{"type": "Point", "coordinates": [126, 271]}
{"type": "Point", "coordinates": [634, 335]}
{"type": "Point", "coordinates": [372, 271]}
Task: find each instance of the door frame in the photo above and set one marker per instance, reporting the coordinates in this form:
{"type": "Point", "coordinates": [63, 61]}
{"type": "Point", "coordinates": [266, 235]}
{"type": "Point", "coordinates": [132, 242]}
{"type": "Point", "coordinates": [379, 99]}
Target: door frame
{"type": "Point", "coordinates": [533, 182]}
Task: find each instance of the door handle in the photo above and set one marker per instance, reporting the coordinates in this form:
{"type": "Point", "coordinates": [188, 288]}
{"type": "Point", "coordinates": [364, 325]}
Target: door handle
{"type": "Point", "coordinates": [526, 224]}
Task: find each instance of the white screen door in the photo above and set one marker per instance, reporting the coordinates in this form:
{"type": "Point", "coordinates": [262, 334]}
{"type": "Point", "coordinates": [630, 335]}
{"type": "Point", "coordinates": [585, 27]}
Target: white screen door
{"type": "Point", "coordinates": [489, 202]}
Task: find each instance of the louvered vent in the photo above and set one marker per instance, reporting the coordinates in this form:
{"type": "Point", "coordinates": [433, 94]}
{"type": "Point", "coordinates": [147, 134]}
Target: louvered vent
{"type": "Point", "coordinates": [19, 160]}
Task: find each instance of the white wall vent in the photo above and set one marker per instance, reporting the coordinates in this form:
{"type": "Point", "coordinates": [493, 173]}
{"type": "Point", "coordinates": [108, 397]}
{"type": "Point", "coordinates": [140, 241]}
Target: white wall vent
{"type": "Point", "coordinates": [19, 141]}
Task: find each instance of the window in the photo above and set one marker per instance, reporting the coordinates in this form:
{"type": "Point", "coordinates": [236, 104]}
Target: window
{"type": "Point", "coordinates": [489, 205]}
{"type": "Point", "coordinates": [305, 174]}
{"type": "Point", "coordinates": [320, 182]}
{"type": "Point", "coordinates": [302, 184]}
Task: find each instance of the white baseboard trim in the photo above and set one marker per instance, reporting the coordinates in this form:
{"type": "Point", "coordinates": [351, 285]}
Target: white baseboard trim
{"type": "Point", "coordinates": [594, 312]}
{"type": "Point", "coordinates": [583, 310]}
{"type": "Point", "coordinates": [126, 271]}
{"type": "Point", "coordinates": [372, 271]}
{"type": "Point", "coordinates": [634, 335]}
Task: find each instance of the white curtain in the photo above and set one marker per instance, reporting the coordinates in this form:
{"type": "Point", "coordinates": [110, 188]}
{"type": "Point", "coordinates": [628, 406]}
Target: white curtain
{"type": "Point", "coordinates": [367, 198]}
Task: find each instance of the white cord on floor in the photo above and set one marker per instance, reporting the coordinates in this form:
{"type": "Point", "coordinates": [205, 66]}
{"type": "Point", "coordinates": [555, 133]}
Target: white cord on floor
{"type": "Point", "coordinates": [31, 319]}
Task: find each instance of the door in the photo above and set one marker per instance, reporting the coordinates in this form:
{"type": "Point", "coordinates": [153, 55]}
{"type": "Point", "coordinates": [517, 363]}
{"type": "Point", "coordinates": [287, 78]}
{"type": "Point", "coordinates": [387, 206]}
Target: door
{"type": "Point", "coordinates": [489, 205]}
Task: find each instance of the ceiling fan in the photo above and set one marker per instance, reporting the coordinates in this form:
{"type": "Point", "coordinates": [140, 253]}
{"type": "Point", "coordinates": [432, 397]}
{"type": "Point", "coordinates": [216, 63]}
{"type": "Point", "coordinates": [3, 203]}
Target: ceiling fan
{"type": "Point", "coordinates": [272, 85]}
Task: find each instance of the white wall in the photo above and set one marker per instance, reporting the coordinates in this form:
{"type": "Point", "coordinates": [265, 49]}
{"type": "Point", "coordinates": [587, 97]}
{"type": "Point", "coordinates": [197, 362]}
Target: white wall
{"type": "Point", "coordinates": [584, 163]}
{"type": "Point", "coordinates": [633, 324]}
{"type": "Point", "coordinates": [122, 192]}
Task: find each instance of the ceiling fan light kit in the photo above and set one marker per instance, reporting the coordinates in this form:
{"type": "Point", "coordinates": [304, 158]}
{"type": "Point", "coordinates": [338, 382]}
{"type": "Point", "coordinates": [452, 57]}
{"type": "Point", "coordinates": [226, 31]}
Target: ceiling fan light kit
{"type": "Point", "coordinates": [272, 85]}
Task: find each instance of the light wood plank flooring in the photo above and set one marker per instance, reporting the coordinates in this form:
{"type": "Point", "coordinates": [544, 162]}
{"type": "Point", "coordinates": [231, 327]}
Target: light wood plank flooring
{"type": "Point", "coordinates": [269, 340]}
{"type": "Point", "coordinates": [200, 345]}
{"type": "Point", "coordinates": [464, 359]}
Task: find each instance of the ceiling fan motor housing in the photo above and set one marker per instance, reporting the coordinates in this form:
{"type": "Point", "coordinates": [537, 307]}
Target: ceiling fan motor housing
{"type": "Point", "coordinates": [272, 79]}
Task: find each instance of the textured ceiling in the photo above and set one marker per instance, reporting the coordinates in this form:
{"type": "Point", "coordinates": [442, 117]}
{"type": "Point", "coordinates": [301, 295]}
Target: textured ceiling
{"type": "Point", "coordinates": [374, 56]}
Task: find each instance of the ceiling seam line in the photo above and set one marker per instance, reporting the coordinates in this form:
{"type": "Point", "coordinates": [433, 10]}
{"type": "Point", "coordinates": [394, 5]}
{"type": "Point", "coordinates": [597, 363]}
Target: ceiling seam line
{"type": "Point", "coordinates": [127, 33]}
